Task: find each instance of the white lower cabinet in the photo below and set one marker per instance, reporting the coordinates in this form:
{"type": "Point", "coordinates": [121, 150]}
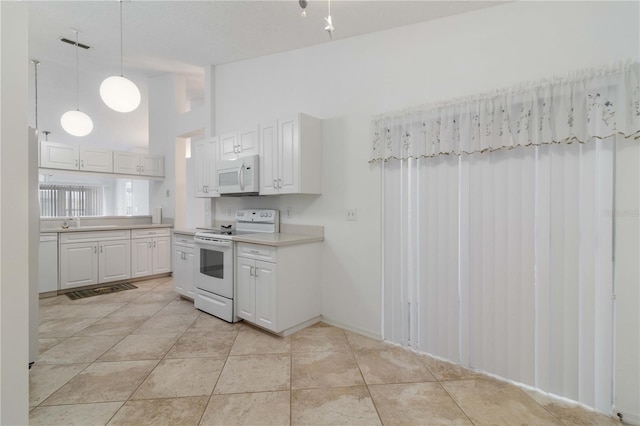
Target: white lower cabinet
{"type": "Point", "coordinates": [257, 292]}
{"type": "Point", "coordinates": [278, 288]}
{"type": "Point", "coordinates": [114, 260]}
{"type": "Point", "coordinates": [150, 252]}
{"type": "Point", "coordinates": [183, 264]}
{"type": "Point", "coordinates": [88, 258]}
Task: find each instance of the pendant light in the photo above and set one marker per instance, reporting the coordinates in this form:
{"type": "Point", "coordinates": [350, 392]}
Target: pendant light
{"type": "Point", "coordinates": [76, 122]}
{"type": "Point", "coordinates": [119, 93]}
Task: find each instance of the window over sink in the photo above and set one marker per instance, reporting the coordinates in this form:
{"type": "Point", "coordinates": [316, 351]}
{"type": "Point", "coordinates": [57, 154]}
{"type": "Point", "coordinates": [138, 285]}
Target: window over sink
{"type": "Point", "coordinates": [64, 195]}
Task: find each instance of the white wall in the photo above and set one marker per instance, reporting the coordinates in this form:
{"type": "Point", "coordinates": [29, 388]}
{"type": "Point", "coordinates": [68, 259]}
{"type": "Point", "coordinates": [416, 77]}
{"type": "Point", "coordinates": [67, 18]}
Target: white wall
{"type": "Point", "coordinates": [14, 223]}
{"type": "Point", "coordinates": [162, 140]}
{"type": "Point", "coordinates": [347, 81]}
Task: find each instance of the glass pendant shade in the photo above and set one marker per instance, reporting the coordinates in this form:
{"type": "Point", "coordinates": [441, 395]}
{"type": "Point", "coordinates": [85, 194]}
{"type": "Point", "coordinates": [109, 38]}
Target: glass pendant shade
{"type": "Point", "coordinates": [120, 94]}
{"type": "Point", "coordinates": [76, 123]}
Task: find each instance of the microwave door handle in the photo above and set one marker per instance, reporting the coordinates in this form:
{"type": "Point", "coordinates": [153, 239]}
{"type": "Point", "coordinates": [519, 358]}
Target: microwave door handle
{"type": "Point", "coordinates": [241, 176]}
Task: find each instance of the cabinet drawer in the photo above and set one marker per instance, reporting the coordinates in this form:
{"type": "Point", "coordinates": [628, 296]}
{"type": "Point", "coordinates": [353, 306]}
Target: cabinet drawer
{"type": "Point", "coordinates": [213, 304]}
{"type": "Point", "coordinates": [150, 232]}
{"type": "Point", "coordinates": [257, 251]}
{"type": "Point", "coordinates": [79, 237]}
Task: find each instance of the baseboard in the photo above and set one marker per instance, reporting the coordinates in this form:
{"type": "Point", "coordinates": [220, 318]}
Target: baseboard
{"type": "Point", "coordinates": [356, 330]}
{"type": "Point", "coordinates": [629, 418]}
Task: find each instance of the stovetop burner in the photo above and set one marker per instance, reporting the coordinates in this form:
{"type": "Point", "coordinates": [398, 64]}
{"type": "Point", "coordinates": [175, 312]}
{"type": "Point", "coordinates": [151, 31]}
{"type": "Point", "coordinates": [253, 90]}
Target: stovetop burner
{"type": "Point", "coordinates": [248, 221]}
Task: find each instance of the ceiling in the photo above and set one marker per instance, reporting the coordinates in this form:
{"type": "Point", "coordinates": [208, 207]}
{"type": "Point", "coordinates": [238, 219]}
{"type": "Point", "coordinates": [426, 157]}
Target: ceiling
{"type": "Point", "coordinates": [183, 37]}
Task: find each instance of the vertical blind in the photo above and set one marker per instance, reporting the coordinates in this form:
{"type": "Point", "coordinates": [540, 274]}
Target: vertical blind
{"type": "Point", "coordinates": [502, 261]}
{"type": "Point", "coordinates": [70, 200]}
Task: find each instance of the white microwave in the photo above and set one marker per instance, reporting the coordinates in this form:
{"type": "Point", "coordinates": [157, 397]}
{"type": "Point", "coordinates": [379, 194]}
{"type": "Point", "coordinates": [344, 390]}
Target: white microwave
{"type": "Point", "coordinates": [238, 177]}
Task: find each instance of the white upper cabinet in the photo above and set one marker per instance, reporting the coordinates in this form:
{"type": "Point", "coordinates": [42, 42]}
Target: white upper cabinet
{"type": "Point", "coordinates": [138, 164]}
{"type": "Point", "coordinates": [228, 146]}
{"type": "Point", "coordinates": [205, 154]}
{"type": "Point", "coordinates": [70, 157]}
{"type": "Point", "coordinates": [291, 156]}
{"type": "Point", "coordinates": [59, 156]}
{"type": "Point", "coordinates": [96, 160]}
{"type": "Point", "coordinates": [239, 144]}
{"type": "Point", "coordinates": [269, 158]}
{"type": "Point", "coordinates": [152, 165]}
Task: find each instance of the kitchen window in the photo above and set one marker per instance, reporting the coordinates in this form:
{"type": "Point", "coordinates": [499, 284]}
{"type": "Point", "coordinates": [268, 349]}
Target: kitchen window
{"type": "Point", "coordinates": [71, 200]}
{"type": "Point", "coordinates": [68, 195]}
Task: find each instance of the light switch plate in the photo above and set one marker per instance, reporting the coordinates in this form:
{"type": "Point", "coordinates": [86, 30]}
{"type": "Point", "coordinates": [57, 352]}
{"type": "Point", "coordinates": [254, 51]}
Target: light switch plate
{"type": "Point", "coordinates": [352, 214]}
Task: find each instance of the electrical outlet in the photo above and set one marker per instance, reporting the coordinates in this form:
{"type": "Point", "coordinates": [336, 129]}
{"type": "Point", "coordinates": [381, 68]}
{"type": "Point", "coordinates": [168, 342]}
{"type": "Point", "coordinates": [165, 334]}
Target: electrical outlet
{"type": "Point", "coordinates": [167, 193]}
{"type": "Point", "coordinates": [288, 211]}
{"type": "Point", "coordinates": [229, 212]}
{"type": "Point", "coordinates": [352, 214]}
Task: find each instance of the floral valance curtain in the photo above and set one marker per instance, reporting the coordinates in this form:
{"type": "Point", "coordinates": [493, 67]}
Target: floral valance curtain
{"type": "Point", "coordinates": [593, 104]}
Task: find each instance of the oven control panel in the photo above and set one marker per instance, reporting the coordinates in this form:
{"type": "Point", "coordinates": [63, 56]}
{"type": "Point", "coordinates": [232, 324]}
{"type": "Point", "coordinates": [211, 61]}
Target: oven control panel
{"type": "Point", "coordinates": [258, 216]}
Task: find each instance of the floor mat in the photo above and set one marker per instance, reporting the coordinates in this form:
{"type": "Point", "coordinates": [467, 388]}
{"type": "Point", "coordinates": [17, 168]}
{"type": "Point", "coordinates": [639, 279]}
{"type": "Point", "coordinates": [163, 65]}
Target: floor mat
{"type": "Point", "coordinates": [81, 294]}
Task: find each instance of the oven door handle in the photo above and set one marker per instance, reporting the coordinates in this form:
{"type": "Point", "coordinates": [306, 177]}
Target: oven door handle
{"type": "Point", "coordinates": [219, 243]}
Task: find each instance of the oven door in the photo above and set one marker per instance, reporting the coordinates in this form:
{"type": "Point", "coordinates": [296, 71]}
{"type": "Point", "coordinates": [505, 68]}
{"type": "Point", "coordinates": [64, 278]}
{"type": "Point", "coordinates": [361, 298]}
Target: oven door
{"type": "Point", "coordinates": [214, 267]}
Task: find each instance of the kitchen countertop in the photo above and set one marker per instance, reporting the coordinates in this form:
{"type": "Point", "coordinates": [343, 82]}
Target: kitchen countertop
{"type": "Point", "coordinates": [293, 234]}
{"type": "Point", "coordinates": [278, 239]}
{"type": "Point", "coordinates": [105, 227]}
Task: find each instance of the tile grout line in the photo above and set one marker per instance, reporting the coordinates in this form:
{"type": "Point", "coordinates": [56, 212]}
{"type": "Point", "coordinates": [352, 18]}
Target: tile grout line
{"type": "Point", "coordinates": [159, 361]}
{"type": "Point", "coordinates": [218, 379]}
{"type": "Point", "coordinates": [142, 381]}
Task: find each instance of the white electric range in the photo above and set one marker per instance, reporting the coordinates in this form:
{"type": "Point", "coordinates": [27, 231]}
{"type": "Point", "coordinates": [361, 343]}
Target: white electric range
{"type": "Point", "coordinates": [215, 289]}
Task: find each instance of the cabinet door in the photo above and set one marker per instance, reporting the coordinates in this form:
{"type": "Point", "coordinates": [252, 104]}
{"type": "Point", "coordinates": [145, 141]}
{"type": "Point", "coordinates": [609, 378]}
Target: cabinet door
{"type": "Point", "coordinates": [179, 270]}
{"type": "Point", "coordinates": [229, 146]}
{"type": "Point", "coordinates": [189, 264]}
{"type": "Point", "coordinates": [114, 260]}
{"type": "Point", "coordinates": [210, 165]}
{"type": "Point", "coordinates": [78, 264]}
{"type": "Point", "coordinates": [288, 170]}
{"type": "Point", "coordinates": [248, 142]}
{"type": "Point", "coordinates": [201, 177]}
{"type": "Point", "coordinates": [152, 165]}
{"type": "Point", "coordinates": [96, 160]}
{"type": "Point", "coordinates": [161, 255]}
{"type": "Point", "coordinates": [205, 155]}
{"type": "Point", "coordinates": [266, 304]}
{"type": "Point", "coordinates": [246, 287]}
{"type": "Point", "coordinates": [269, 158]}
{"type": "Point", "coordinates": [141, 257]}
{"type": "Point", "coordinates": [126, 163]}
{"type": "Point", "coordinates": [59, 156]}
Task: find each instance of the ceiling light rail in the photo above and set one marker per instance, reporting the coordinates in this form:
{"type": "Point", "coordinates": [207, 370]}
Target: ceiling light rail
{"type": "Point", "coordinates": [329, 28]}
{"type": "Point", "coordinates": [74, 43]}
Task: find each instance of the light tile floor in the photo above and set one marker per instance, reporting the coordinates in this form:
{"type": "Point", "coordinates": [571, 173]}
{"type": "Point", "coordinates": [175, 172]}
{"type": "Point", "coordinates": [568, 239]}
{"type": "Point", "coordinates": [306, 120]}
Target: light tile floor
{"type": "Point", "coordinates": [146, 356]}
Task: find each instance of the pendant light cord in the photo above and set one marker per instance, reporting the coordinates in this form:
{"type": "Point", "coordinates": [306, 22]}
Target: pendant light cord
{"type": "Point", "coordinates": [121, 54]}
{"type": "Point", "coordinates": [77, 76]}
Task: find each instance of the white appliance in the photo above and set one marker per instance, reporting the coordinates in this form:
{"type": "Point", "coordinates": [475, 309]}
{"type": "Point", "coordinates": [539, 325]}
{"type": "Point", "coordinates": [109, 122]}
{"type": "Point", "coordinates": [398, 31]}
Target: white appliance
{"type": "Point", "coordinates": [238, 177]}
{"type": "Point", "coordinates": [48, 263]}
{"type": "Point", "coordinates": [214, 281]}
